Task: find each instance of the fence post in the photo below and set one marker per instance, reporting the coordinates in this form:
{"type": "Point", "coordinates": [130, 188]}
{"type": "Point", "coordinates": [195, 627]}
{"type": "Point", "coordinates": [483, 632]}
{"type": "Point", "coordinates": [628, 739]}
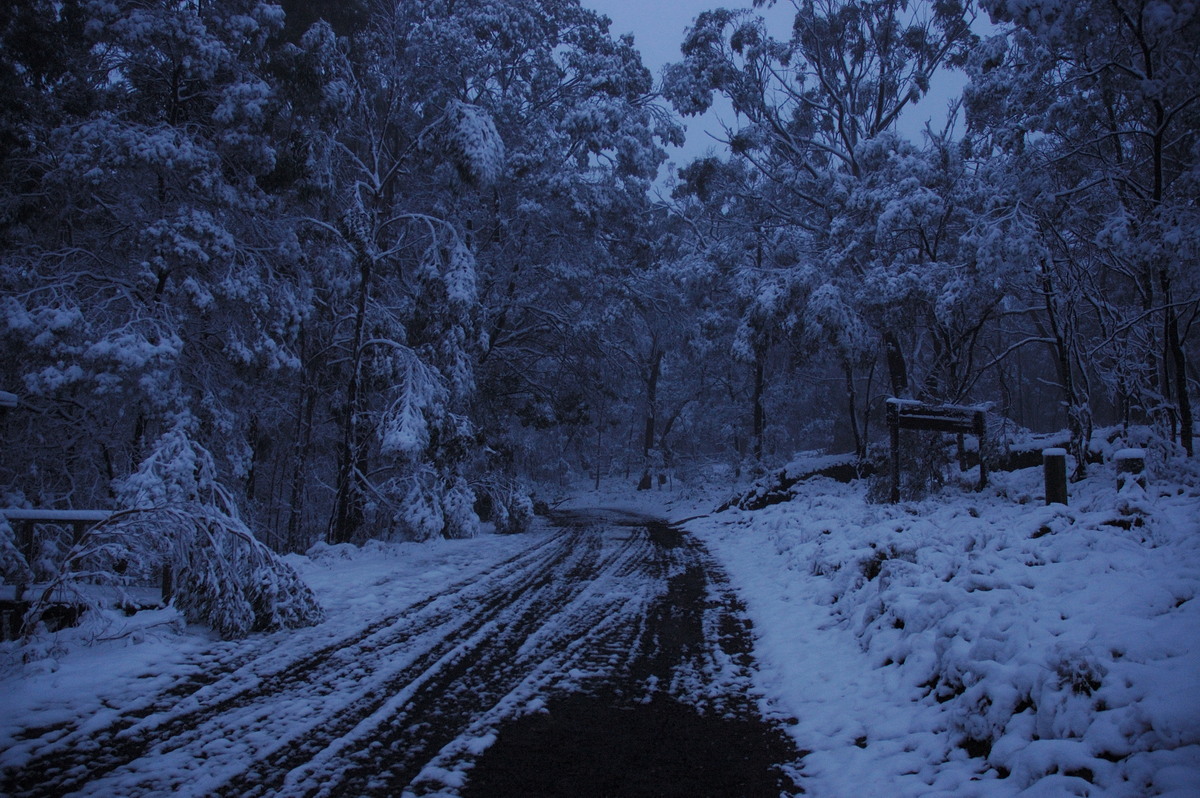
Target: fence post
{"type": "Point", "coordinates": [979, 422]}
{"type": "Point", "coordinates": [27, 545]}
{"type": "Point", "coordinates": [1131, 468]}
{"type": "Point", "coordinates": [1054, 463]}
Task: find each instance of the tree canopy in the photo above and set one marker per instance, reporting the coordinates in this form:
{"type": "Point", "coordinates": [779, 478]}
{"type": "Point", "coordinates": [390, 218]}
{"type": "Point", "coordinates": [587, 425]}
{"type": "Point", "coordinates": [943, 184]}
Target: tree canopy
{"type": "Point", "coordinates": [376, 269]}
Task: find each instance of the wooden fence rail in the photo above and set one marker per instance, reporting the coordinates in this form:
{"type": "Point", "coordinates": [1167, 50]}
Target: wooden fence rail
{"type": "Point", "coordinates": [25, 521]}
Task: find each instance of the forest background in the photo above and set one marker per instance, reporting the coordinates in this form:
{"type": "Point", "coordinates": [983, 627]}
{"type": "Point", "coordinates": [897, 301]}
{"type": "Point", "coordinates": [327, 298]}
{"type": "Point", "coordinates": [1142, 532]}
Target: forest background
{"type": "Point", "coordinates": [355, 269]}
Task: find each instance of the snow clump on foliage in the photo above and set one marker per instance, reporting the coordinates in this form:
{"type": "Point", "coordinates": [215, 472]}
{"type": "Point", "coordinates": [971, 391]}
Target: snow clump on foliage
{"type": "Point", "coordinates": [474, 143]}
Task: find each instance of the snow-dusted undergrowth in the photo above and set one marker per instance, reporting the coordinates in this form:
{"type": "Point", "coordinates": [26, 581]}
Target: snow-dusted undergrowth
{"type": "Point", "coordinates": [981, 643]}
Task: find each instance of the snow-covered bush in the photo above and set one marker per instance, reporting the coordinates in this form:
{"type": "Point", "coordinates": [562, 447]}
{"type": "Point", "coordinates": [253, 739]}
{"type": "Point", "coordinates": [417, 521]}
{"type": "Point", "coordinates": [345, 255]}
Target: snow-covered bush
{"type": "Point", "coordinates": [174, 515]}
{"type": "Point", "coordinates": [230, 581]}
{"type": "Point", "coordinates": [506, 504]}
{"type": "Point", "coordinates": [925, 458]}
{"type": "Point", "coordinates": [426, 505]}
{"type": "Point", "coordinates": [459, 505]}
{"type": "Point", "coordinates": [419, 516]}
{"type": "Point", "coordinates": [224, 576]}
{"type": "Point", "coordinates": [118, 551]}
{"type": "Point", "coordinates": [13, 567]}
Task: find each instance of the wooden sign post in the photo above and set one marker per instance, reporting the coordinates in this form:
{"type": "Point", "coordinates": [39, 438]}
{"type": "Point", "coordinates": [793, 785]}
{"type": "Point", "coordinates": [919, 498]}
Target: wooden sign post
{"type": "Point", "coordinates": [910, 414]}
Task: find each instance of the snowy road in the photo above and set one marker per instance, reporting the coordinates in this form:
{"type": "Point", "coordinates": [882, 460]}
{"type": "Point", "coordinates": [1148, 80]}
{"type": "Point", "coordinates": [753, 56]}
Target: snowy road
{"type": "Point", "coordinates": [609, 657]}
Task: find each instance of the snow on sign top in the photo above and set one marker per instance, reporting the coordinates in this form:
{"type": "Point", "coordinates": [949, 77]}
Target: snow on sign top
{"type": "Point", "coordinates": [910, 404]}
{"type": "Point", "coordinates": [48, 516]}
{"type": "Point", "coordinates": [1054, 451]}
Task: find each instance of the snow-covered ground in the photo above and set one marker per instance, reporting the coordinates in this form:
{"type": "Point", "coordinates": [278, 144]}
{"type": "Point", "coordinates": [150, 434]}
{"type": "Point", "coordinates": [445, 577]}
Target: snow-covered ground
{"type": "Point", "coordinates": [980, 644]}
{"type": "Point", "coordinates": [971, 644]}
{"type": "Point", "coordinates": [354, 587]}
{"type": "Point", "coordinates": [79, 683]}
{"type": "Point", "coordinates": [426, 653]}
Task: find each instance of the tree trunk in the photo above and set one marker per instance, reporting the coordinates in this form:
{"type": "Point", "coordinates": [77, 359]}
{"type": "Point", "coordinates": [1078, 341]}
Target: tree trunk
{"type": "Point", "coordinates": [349, 501]}
{"type": "Point", "coordinates": [654, 370]}
{"type": "Point", "coordinates": [1174, 346]}
{"type": "Point", "coordinates": [1078, 414]}
{"type": "Point", "coordinates": [297, 495]}
{"type": "Point", "coordinates": [760, 416]}
{"type": "Point", "coordinates": [252, 471]}
{"type": "Point", "coordinates": [1178, 362]}
{"type": "Point", "coordinates": [897, 370]}
{"type": "Point", "coordinates": [302, 447]}
{"type": "Point", "coordinates": [860, 449]}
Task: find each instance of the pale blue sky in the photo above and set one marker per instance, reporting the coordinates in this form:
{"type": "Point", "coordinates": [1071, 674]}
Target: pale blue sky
{"type": "Point", "coordinates": [658, 26]}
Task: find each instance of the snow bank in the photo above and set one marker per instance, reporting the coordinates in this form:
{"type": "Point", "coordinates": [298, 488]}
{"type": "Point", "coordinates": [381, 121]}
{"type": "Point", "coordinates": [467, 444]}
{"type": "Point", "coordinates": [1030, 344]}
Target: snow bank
{"type": "Point", "coordinates": [980, 644]}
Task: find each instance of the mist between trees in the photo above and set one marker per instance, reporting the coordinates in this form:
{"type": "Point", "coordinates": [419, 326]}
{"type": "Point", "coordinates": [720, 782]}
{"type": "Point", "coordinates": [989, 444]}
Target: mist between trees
{"type": "Point", "coordinates": [380, 267]}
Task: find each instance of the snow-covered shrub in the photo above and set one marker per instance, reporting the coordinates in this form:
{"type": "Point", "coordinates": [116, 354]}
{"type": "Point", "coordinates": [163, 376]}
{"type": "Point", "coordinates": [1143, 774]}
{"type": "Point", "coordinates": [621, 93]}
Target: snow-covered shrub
{"type": "Point", "coordinates": [506, 504]}
{"type": "Point", "coordinates": [224, 576]}
{"type": "Point", "coordinates": [924, 460]}
{"type": "Point", "coordinates": [229, 580]}
{"type": "Point", "coordinates": [13, 567]}
{"type": "Point", "coordinates": [519, 512]}
{"type": "Point", "coordinates": [424, 506]}
{"type": "Point", "coordinates": [331, 552]}
{"type": "Point", "coordinates": [119, 551]}
{"type": "Point", "coordinates": [419, 516]}
{"type": "Point", "coordinates": [459, 508]}
{"type": "Point", "coordinates": [981, 644]}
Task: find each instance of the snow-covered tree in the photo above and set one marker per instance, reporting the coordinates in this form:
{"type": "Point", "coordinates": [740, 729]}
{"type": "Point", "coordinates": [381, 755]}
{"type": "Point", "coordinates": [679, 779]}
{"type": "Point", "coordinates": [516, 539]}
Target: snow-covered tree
{"type": "Point", "coordinates": [305, 234]}
{"type": "Point", "coordinates": [816, 119]}
{"type": "Point", "coordinates": [760, 263]}
{"type": "Point", "coordinates": [1093, 109]}
{"type": "Point", "coordinates": [148, 269]}
{"type": "Point", "coordinates": [142, 261]}
{"type": "Point", "coordinates": [519, 138]}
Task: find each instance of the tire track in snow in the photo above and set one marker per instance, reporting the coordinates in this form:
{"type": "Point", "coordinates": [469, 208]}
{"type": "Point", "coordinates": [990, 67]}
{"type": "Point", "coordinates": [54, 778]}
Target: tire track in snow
{"type": "Point", "coordinates": [408, 704]}
{"type": "Point", "coordinates": [69, 758]}
{"type": "Point", "coordinates": [557, 636]}
{"type": "Point", "coordinates": [420, 690]}
{"type": "Point", "coordinates": [680, 718]}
